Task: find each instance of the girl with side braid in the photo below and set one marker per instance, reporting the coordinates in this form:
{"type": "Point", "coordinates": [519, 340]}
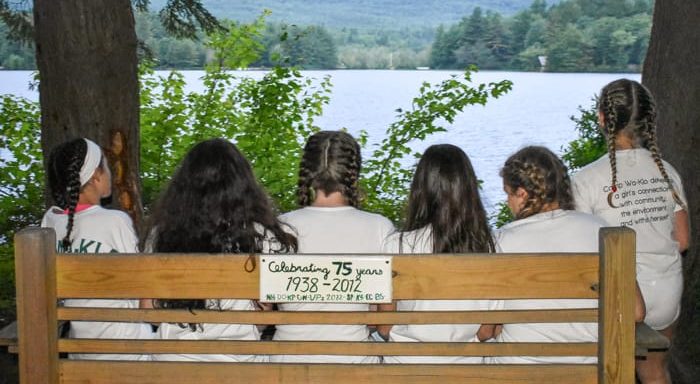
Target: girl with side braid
{"type": "Point", "coordinates": [78, 178]}
{"type": "Point", "coordinates": [540, 198]}
{"type": "Point", "coordinates": [329, 221]}
{"type": "Point", "coordinates": [634, 187]}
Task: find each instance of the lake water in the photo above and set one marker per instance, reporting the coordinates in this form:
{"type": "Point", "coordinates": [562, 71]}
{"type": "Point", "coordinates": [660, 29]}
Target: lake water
{"type": "Point", "coordinates": [536, 111]}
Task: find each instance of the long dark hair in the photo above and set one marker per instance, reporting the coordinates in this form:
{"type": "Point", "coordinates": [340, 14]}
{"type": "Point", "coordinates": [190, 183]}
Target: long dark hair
{"type": "Point", "coordinates": [331, 162]}
{"type": "Point", "coordinates": [214, 204]}
{"type": "Point", "coordinates": [542, 175]}
{"type": "Point", "coordinates": [65, 161]}
{"type": "Point", "coordinates": [445, 195]}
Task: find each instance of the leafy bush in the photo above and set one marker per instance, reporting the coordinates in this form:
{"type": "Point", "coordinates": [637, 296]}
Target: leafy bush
{"type": "Point", "coordinates": [385, 180]}
{"type": "Point", "coordinates": [21, 181]}
{"type": "Point", "coordinates": [268, 119]}
{"type": "Point", "coordinates": [590, 144]}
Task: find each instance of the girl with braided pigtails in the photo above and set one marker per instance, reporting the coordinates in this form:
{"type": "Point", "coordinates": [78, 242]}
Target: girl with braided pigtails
{"type": "Point", "coordinates": [540, 198]}
{"type": "Point", "coordinates": [329, 221]}
{"type": "Point", "coordinates": [78, 179]}
{"type": "Point", "coordinates": [634, 187]}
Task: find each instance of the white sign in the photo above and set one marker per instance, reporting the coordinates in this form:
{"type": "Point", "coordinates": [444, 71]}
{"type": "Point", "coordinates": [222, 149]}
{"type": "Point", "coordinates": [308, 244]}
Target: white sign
{"type": "Point", "coordinates": [325, 279]}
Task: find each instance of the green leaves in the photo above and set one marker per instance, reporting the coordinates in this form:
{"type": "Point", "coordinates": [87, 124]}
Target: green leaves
{"type": "Point", "coordinates": [269, 119]}
{"type": "Point", "coordinates": [590, 145]}
{"type": "Point", "coordinates": [21, 182]}
{"type": "Point", "coordinates": [385, 179]}
{"type": "Point", "coordinates": [22, 176]}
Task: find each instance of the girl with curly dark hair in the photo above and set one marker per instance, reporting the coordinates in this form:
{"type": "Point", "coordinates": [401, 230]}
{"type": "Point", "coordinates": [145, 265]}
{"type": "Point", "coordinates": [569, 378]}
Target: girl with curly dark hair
{"type": "Point", "coordinates": [214, 204]}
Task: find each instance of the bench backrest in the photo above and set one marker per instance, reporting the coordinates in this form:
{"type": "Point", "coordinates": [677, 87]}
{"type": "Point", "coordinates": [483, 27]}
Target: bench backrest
{"type": "Point", "coordinates": [44, 277]}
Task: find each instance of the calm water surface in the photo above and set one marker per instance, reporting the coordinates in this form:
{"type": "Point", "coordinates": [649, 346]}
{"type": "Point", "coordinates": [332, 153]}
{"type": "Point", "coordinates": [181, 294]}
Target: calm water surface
{"type": "Point", "coordinates": [536, 111]}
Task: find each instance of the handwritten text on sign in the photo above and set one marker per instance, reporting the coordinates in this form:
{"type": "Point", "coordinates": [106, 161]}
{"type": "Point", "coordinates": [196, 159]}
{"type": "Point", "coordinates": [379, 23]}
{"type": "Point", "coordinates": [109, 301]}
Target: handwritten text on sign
{"type": "Point", "coordinates": [325, 279]}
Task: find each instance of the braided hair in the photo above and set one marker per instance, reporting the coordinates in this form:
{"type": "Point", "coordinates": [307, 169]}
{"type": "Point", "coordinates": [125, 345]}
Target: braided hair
{"type": "Point", "coordinates": [542, 175]}
{"type": "Point", "coordinates": [628, 108]}
{"type": "Point", "coordinates": [445, 196]}
{"type": "Point", "coordinates": [64, 165]}
{"type": "Point", "coordinates": [331, 163]}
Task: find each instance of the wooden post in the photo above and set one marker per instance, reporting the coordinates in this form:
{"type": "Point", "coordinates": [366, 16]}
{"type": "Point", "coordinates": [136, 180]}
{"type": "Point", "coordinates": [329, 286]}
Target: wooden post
{"type": "Point", "coordinates": [35, 269]}
{"type": "Point", "coordinates": [616, 306]}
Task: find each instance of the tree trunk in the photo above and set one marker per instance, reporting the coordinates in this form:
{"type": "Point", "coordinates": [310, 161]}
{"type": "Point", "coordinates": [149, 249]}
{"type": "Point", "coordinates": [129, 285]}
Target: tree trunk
{"type": "Point", "coordinates": [86, 55]}
{"type": "Point", "coordinates": [672, 73]}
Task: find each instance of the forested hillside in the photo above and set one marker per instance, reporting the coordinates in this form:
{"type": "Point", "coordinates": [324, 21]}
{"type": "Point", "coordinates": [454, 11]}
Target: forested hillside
{"type": "Point", "coordinates": [574, 35]}
{"type": "Point", "coordinates": [360, 14]}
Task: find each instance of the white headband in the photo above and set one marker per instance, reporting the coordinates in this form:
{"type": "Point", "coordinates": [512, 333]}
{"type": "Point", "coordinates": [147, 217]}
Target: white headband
{"type": "Point", "coordinates": [93, 157]}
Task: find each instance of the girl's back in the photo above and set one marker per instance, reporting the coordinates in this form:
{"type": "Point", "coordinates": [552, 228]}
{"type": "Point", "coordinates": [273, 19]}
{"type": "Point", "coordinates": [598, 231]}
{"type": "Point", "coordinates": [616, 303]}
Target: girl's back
{"type": "Point", "coordinates": [420, 241]}
{"type": "Point", "coordinates": [444, 215]}
{"type": "Point", "coordinates": [231, 213]}
{"type": "Point", "coordinates": [330, 223]}
{"type": "Point", "coordinates": [79, 178]}
{"type": "Point", "coordinates": [539, 196]}
{"type": "Point", "coordinates": [553, 231]}
{"type": "Point", "coordinates": [333, 230]}
{"type": "Point", "coordinates": [642, 202]}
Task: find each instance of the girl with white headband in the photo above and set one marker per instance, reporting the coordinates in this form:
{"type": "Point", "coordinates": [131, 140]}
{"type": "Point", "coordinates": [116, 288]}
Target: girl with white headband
{"type": "Point", "coordinates": [79, 178]}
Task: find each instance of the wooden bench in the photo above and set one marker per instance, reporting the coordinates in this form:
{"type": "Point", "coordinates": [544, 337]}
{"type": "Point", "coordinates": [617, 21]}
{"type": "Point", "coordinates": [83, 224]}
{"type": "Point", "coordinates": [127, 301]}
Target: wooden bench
{"type": "Point", "coordinates": [44, 277]}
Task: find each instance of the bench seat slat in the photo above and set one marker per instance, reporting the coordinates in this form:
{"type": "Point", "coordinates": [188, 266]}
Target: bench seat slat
{"type": "Point", "coordinates": [75, 371]}
{"type": "Point", "coordinates": [325, 348]}
{"type": "Point", "coordinates": [512, 276]}
{"type": "Point", "coordinates": [278, 317]}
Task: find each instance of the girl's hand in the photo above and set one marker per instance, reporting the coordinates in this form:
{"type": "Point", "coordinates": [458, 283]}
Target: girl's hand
{"type": "Point", "coordinates": [488, 331]}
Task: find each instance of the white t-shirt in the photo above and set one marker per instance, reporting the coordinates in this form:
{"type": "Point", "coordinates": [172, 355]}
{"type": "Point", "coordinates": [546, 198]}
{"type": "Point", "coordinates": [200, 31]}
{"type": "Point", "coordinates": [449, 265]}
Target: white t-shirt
{"type": "Point", "coordinates": [332, 230]}
{"type": "Point", "coordinates": [210, 331]}
{"type": "Point", "coordinates": [99, 230]}
{"type": "Point", "coordinates": [553, 231]}
{"type": "Point", "coordinates": [214, 332]}
{"type": "Point", "coordinates": [645, 205]}
{"type": "Point", "coordinates": [420, 241]}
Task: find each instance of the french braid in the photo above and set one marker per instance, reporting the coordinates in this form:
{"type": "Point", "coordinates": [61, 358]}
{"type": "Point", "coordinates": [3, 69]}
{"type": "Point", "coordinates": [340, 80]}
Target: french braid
{"type": "Point", "coordinates": [542, 175]}
{"type": "Point", "coordinates": [629, 108]}
{"type": "Point", "coordinates": [331, 162]}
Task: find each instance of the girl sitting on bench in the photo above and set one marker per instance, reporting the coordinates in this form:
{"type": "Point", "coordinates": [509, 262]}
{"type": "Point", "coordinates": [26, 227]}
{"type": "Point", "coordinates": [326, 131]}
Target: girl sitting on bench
{"type": "Point", "coordinates": [329, 221]}
{"type": "Point", "coordinates": [79, 178]}
{"type": "Point", "coordinates": [214, 204]}
{"type": "Point", "coordinates": [540, 198]}
{"type": "Point", "coordinates": [444, 215]}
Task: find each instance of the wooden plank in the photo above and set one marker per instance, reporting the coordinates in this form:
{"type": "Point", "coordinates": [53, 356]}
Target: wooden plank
{"type": "Point", "coordinates": [616, 303]}
{"type": "Point", "coordinates": [511, 276]}
{"type": "Point", "coordinates": [646, 338]}
{"type": "Point", "coordinates": [254, 347]}
{"type": "Point", "coordinates": [35, 268]}
{"type": "Point", "coordinates": [281, 317]}
{"type": "Point", "coordinates": [74, 372]}
{"type": "Point", "coordinates": [8, 334]}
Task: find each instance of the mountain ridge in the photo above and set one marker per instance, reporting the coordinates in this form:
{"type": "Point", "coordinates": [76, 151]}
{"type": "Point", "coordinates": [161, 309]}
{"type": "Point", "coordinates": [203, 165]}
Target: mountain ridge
{"type": "Point", "coordinates": [360, 14]}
